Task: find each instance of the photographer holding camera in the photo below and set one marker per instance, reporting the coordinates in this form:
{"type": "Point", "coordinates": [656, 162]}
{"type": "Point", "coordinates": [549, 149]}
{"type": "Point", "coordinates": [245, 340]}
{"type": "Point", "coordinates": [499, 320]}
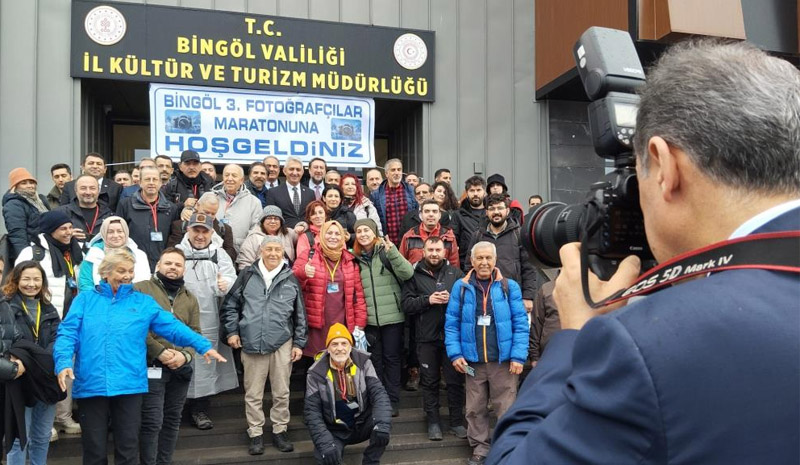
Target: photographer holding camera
{"type": "Point", "coordinates": [704, 371]}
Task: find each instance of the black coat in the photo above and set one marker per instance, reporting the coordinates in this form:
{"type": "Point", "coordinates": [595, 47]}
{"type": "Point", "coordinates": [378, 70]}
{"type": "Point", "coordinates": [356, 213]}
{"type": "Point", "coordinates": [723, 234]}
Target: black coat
{"type": "Point", "coordinates": [22, 223]}
{"type": "Point", "coordinates": [109, 194]}
{"type": "Point", "coordinates": [279, 196]}
{"type": "Point", "coordinates": [9, 333]}
{"type": "Point", "coordinates": [512, 258]}
{"type": "Point", "coordinates": [25, 321]}
{"type": "Point", "coordinates": [39, 382]}
{"type": "Point", "coordinates": [73, 210]}
{"type": "Point", "coordinates": [179, 187]}
{"type": "Point", "coordinates": [139, 216]}
{"type": "Point", "coordinates": [429, 318]}
{"type": "Point", "coordinates": [465, 224]}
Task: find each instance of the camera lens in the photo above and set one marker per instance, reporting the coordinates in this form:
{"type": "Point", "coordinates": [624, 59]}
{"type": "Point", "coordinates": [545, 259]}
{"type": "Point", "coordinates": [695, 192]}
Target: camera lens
{"type": "Point", "coordinates": [548, 227]}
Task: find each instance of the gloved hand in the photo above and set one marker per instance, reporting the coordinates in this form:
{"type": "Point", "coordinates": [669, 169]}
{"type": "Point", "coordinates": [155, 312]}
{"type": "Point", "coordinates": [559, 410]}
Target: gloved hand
{"type": "Point", "coordinates": [360, 339]}
{"type": "Point", "coordinates": [380, 437]}
{"type": "Point", "coordinates": [331, 455]}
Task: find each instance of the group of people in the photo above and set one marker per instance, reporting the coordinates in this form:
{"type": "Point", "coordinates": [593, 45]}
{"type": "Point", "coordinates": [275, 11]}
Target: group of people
{"type": "Point", "coordinates": [268, 268]}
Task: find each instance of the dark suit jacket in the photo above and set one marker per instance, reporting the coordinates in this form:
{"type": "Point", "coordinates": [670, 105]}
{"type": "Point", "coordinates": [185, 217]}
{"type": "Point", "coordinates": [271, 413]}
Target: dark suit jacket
{"type": "Point", "coordinates": [279, 196]}
{"type": "Point", "coordinates": [702, 372]}
{"type": "Point", "coordinates": [109, 194]}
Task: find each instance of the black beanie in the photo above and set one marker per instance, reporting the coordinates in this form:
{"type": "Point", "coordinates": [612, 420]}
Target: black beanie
{"type": "Point", "coordinates": [52, 220]}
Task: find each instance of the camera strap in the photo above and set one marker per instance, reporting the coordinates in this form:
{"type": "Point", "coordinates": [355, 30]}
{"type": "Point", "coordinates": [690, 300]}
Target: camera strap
{"type": "Point", "coordinates": [777, 251]}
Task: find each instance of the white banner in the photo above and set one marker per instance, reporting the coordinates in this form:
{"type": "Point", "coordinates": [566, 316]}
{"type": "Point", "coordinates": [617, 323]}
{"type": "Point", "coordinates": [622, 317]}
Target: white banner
{"type": "Point", "coordinates": [242, 126]}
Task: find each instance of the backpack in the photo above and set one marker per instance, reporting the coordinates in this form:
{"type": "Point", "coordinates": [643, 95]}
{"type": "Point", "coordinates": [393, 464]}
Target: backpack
{"type": "Point", "coordinates": [387, 265]}
{"type": "Point", "coordinates": [310, 237]}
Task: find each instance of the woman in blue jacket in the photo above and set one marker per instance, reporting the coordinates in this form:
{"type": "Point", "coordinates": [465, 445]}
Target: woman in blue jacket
{"type": "Point", "coordinates": [106, 330]}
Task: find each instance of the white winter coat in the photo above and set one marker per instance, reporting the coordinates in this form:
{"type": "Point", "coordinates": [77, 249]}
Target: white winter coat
{"type": "Point", "coordinates": [241, 215]}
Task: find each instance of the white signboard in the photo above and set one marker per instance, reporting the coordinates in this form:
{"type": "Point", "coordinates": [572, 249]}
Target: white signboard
{"type": "Point", "coordinates": [242, 126]}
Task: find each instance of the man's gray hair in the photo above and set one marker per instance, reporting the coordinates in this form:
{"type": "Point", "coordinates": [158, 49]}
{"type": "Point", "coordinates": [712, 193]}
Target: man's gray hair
{"type": "Point", "coordinates": [732, 108]}
{"type": "Point", "coordinates": [483, 245]}
{"type": "Point", "coordinates": [392, 161]}
{"type": "Point", "coordinates": [293, 160]}
{"type": "Point", "coordinates": [238, 168]}
{"type": "Point", "coordinates": [208, 198]}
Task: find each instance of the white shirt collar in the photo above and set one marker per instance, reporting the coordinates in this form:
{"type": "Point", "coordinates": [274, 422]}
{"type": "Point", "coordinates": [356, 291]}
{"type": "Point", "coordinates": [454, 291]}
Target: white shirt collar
{"type": "Point", "coordinates": [763, 218]}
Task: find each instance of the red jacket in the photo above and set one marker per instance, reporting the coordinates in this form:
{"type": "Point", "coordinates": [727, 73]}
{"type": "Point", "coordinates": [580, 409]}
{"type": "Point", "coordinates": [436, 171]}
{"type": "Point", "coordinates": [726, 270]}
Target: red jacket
{"type": "Point", "coordinates": [414, 240]}
{"type": "Point", "coordinates": [314, 289]}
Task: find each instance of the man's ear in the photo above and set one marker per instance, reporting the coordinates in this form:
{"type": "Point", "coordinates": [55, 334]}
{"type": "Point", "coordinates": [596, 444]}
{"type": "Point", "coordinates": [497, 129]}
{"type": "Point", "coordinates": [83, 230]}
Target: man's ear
{"type": "Point", "coordinates": [663, 164]}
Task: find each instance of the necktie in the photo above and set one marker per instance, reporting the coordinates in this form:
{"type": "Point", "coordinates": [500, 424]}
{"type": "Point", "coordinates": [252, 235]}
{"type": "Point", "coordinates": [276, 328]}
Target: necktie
{"type": "Point", "coordinates": [296, 200]}
{"type": "Point", "coordinates": [317, 193]}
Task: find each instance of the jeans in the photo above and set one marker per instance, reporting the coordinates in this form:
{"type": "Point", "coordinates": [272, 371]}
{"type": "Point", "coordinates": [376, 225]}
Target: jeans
{"type": "Point", "coordinates": [125, 412]}
{"type": "Point", "coordinates": [161, 418]}
{"type": "Point", "coordinates": [386, 345]}
{"type": "Point", "coordinates": [38, 423]}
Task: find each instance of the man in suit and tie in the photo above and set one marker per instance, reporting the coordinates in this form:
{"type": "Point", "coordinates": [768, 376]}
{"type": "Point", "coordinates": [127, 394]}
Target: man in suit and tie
{"type": "Point", "coordinates": [94, 164]}
{"type": "Point", "coordinates": [704, 371]}
{"type": "Point", "coordinates": [292, 197]}
{"type": "Point", "coordinates": [316, 176]}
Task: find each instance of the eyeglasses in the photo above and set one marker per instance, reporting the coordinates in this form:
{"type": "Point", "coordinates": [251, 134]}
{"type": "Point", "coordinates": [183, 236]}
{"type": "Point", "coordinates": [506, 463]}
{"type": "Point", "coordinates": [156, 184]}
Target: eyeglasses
{"type": "Point", "coordinates": [272, 219]}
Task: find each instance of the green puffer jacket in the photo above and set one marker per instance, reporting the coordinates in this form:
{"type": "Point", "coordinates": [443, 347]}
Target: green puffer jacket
{"type": "Point", "coordinates": [381, 290]}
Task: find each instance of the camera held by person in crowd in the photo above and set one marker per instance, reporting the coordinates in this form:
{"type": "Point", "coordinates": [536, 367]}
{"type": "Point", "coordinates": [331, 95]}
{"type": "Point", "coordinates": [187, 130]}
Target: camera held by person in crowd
{"type": "Point", "coordinates": [609, 224]}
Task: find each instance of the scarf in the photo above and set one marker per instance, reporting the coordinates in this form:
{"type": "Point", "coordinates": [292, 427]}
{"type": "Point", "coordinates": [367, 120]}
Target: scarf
{"type": "Point", "coordinates": [332, 254]}
{"type": "Point", "coordinates": [195, 181]}
{"type": "Point", "coordinates": [107, 223]}
{"type": "Point", "coordinates": [33, 199]}
{"type": "Point", "coordinates": [58, 252]}
{"type": "Point", "coordinates": [172, 286]}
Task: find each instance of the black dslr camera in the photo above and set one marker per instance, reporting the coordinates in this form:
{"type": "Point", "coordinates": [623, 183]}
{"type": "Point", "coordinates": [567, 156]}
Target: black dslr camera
{"type": "Point", "coordinates": [609, 224]}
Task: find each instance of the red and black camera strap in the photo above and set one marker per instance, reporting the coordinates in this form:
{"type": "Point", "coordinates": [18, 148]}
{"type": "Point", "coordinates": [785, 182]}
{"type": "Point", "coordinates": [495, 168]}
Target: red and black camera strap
{"type": "Point", "coordinates": [778, 251]}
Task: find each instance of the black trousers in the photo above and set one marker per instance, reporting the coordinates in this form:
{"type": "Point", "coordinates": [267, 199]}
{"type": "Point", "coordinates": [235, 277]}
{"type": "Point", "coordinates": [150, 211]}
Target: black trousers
{"type": "Point", "coordinates": [125, 413]}
{"type": "Point", "coordinates": [432, 359]}
{"type": "Point", "coordinates": [161, 418]}
{"type": "Point", "coordinates": [412, 360]}
{"type": "Point", "coordinates": [372, 454]}
{"type": "Point", "coordinates": [386, 346]}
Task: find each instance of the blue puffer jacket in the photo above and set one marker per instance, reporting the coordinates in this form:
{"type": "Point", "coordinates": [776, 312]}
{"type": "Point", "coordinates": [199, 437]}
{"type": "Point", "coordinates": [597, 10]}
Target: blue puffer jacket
{"type": "Point", "coordinates": [379, 200]}
{"type": "Point", "coordinates": [108, 333]}
{"type": "Point", "coordinates": [510, 319]}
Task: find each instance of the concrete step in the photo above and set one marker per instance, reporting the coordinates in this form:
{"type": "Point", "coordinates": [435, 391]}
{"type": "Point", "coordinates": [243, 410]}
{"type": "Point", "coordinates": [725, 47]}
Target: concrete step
{"type": "Point", "coordinates": [403, 449]}
{"type": "Point", "coordinates": [233, 432]}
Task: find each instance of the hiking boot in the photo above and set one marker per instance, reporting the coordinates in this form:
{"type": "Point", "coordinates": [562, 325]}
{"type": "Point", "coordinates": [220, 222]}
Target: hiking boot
{"type": "Point", "coordinates": [53, 435]}
{"type": "Point", "coordinates": [395, 410]}
{"type": "Point", "coordinates": [67, 426]}
{"type": "Point", "coordinates": [434, 432]}
{"type": "Point", "coordinates": [459, 431]}
{"type": "Point", "coordinates": [201, 421]}
{"type": "Point", "coordinates": [413, 379]}
{"type": "Point", "coordinates": [256, 445]}
{"type": "Point", "coordinates": [476, 460]}
{"type": "Point", "coordinates": [281, 442]}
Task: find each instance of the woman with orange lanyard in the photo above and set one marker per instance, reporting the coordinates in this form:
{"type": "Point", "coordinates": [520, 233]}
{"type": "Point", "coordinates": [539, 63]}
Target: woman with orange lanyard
{"type": "Point", "coordinates": [37, 321]}
{"type": "Point", "coordinates": [332, 287]}
{"type": "Point", "coordinates": [60, 255]}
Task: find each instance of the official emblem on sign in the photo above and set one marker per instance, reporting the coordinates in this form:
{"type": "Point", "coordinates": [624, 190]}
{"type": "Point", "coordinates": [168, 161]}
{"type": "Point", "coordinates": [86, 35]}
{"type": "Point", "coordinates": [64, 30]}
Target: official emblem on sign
{"type": "Point", "coordinates": [410, 51]}
{"type": "Point", "coordinates": [105, 25]}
